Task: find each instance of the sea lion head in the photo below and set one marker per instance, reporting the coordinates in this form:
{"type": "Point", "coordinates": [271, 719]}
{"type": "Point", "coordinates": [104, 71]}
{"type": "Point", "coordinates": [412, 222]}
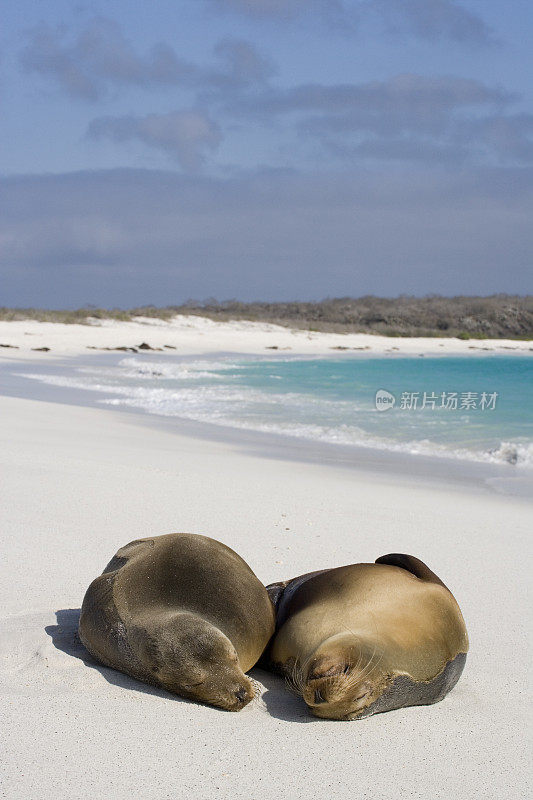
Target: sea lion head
{"type": "Point", "coordinates": [342, 677]}
{"type": "Point", "coordinates": [195, 659]}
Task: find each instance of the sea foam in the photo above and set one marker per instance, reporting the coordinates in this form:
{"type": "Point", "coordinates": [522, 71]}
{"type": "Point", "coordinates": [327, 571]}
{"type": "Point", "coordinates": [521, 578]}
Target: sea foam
{"type": "Point", "coordinates": [327, 400]}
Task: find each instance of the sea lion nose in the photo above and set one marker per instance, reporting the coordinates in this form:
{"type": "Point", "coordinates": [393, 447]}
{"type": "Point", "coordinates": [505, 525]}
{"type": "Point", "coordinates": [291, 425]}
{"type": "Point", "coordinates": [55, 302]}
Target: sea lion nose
{"type": "Point", "coordinates": [241, 695]}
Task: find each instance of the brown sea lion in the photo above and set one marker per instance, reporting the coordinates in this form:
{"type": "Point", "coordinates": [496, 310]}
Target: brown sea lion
{"type": "Point", "coordinates": [183, 612]}
{"type": "Point", "coordinates": [366, 638]}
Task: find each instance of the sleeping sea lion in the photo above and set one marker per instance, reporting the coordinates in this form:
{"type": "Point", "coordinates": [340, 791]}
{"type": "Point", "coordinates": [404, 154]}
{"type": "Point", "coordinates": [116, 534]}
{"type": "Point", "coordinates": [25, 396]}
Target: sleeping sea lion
{"type": "Point", "coordinates": [366, 638]}
{"type": "Point", "coordinates": [183, 612]}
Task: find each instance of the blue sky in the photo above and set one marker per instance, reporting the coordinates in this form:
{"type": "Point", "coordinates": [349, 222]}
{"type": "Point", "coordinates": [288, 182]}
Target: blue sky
{"type": "Point", "coordinates": [264, 149]}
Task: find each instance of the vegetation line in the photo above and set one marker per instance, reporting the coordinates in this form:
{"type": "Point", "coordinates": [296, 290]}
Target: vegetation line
{"type": "Point", "coordinates": [496, 317]}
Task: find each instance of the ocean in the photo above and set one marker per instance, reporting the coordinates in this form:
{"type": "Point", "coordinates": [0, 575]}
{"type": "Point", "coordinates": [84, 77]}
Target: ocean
{"type": "Point", "coordinates": [461, 407]}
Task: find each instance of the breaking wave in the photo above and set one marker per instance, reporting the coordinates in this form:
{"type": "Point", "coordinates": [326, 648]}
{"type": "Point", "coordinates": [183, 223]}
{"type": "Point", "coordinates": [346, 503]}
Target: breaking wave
{"type": "Point", "coordinates": [217, 392]}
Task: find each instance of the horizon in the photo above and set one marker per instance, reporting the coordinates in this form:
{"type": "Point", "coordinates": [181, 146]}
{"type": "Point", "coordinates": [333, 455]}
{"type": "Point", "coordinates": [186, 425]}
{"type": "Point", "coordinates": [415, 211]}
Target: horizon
{"type": "Point", "coordinates": [196, 303]}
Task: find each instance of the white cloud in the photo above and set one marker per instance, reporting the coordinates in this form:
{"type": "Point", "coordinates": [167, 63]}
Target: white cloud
{"type": "Point", "coordinates": [88, 63]}
{"type": "Point", "coordinates": [185, 135]}
{"type": "Point", "coordinates": [424, 19]}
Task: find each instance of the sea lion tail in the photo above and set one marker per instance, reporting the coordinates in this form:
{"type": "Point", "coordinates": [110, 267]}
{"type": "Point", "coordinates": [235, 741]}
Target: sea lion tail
{"type": "Point", "coordinates": [412, 565]}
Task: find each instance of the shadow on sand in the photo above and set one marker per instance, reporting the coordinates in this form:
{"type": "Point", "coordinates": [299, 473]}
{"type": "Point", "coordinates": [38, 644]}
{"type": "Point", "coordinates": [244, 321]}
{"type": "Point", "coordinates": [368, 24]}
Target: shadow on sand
{"type": "Point", "coordinates": [65, 637]}
{"type": "Point", "coordinates": [278, 701]}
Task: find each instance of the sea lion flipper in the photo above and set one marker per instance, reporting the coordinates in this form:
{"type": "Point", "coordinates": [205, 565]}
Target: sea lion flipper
{"type": "Point", "coordinates": [125, 553]}
{"type": "Point", "coordinates": [412, 565]}
{"type": "Point", "coordinates": [275, 590]}
{"type": "Point", "coordinates": [275, 593]}
{"type": "Point", "coordinates": [101, 629]}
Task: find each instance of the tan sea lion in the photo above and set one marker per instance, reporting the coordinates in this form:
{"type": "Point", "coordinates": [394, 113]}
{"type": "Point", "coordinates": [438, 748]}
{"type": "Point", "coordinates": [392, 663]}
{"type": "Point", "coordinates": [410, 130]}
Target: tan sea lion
{"type": "Point", "coordinates": [183, 612]}
{"type": "Point", "coordinates": [367, 638]}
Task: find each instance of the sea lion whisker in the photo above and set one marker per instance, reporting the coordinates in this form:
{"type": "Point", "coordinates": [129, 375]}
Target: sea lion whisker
{"type": "Point", "coordinates": [357, 667]}
{"type": "Point", "coordinates": [376, 665]}
{"type": "Point", "coordinates": [366, 670]}
{"type": "Point", "coordinates": [369, 667]}
{"type": "Point", "coordinates": [257, 699]}
{"type": "Point", "coordinates": [294, 678]}
{"type": "Point", "coordinates": [360, 670]}
{"type": "Point", "coordinates": [295, 674]}
{"type": "Point", "coordinates": [292, 682]}
{"type": "Point", "coordinates": [373, 618]}
{"type": "Point", "coordinates": [354, 634]}
{"type": "Point", "coordinates": [348, 629]}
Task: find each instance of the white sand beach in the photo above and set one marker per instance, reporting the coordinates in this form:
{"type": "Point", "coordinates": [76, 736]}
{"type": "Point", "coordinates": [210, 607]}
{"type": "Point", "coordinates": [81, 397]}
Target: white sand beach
{"type": "Point", "coordinates": [79, 482]}
{"type": "Point", "coordinates": [191, 335]}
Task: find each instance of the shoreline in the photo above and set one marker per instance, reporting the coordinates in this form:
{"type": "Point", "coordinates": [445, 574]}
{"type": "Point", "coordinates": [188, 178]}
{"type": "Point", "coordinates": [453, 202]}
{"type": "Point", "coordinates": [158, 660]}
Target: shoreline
{"type": "Point", "coordinates": [192, 335]}
{"type": "Point", "coordinates": [404, 467]}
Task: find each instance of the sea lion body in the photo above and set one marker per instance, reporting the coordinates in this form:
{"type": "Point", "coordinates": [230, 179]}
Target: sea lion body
{"type": "Point", "coordinates": [365, 638]}
{"type": "Point", "coordinates": [183, 612]}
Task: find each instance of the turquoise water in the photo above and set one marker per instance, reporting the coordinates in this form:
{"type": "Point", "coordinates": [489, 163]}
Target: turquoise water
{"type": "Point", "coordinates": [334, 399]}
